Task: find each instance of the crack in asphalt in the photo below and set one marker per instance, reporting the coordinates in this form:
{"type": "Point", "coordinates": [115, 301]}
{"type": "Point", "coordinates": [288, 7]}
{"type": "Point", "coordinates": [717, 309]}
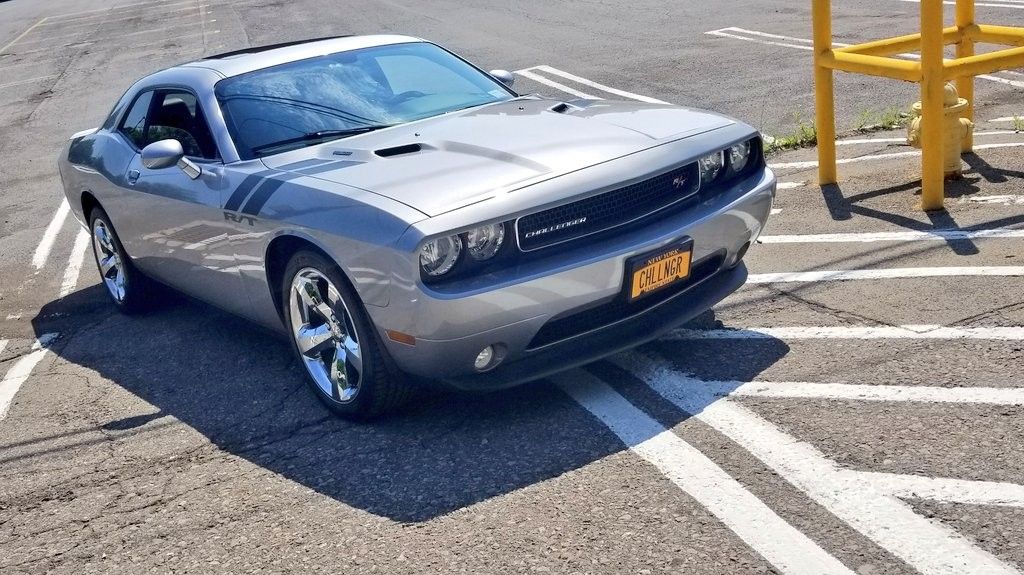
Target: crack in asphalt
{"type": "Point", "coordinates": [974, 319]}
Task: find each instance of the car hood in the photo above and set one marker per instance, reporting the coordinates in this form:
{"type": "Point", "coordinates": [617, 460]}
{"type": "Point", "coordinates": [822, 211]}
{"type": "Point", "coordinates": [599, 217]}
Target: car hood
{"type": "Point", "coordinates": [447, 162]}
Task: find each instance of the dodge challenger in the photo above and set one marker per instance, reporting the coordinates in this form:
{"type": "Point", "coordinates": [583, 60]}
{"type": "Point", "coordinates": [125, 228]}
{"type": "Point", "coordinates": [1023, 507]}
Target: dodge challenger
{"type": "Point", "coordinates": [402, 215]}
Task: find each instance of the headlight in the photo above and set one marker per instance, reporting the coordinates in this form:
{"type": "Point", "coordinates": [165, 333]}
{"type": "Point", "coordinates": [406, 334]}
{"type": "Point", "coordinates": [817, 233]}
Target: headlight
{"type": "Point", "coordinates": [484, 242]}
{"type": "Point", "coordinates": [739, 155]}
{"type": "Point", "coordinates": [710, 166]}
{"type": "Point", "coordinates": [439, 256]}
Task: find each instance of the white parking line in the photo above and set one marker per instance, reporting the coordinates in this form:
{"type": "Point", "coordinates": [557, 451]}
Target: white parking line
{"type": "Point", "coordinates": [885, 273]}
{"type": "Point", "coordinates": [862, 392]}
{"type": "Point", "coordinates": [877, 157]}
{"type": "Point", "coordinates": [855, 332]}
{"type": "Point", "coordinates": [556, 85]}
{"type": "Point", "coordinates": [807, 44]}
{"type": "Point", "coordinates": [1005, 199]}
{"type": "Point", "coordinates": [50, 235]}
{"type": "Point", "coordinates": [163, 17]}
{"type": "Point", "coordinates": [602, 87]}
{"type": "Point", "coordinates": [871, 237]}
{"type": "Point", "coordinates": [849, 495]}
{"type": "Point", "coordinates": [983, 4]}
{"type": "Point", "coordinates": [949, 490]}
{"type": "Point", "coordinates": [790, 185]}
{"type": "Point", "coordinates": [860, 141]}
{"type": "Point", "coordinates": [3, 344]}
{"type": "Point", "coordinates": [814, 164]}
{"type": "Point", "coordinates": [75, 262]}
{"type": "Point", "coordinates": [726, 33]}
{"type": "Point", "coordinates": [93, 37]}
{"type": "Point", "coordinates": [789, 550]}
{"type": "Point", "coordinates": [19, 372]}
{"type": "Point", "coordinates": [154, 9]}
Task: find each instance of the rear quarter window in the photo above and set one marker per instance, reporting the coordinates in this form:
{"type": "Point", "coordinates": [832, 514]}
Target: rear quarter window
{"type": "Point", "coordinates": [134, 124]}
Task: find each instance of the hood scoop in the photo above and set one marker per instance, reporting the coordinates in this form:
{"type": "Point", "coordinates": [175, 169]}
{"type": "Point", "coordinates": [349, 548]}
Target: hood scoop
{"type": "Point", "coordinates": [563, 108]}
{"type": "Point", "coordinates": [398, 150]}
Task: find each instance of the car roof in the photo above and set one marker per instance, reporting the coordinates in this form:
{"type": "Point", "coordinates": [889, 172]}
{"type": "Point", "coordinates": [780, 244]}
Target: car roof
{"type": "Point", "coordinates": [258, 57]}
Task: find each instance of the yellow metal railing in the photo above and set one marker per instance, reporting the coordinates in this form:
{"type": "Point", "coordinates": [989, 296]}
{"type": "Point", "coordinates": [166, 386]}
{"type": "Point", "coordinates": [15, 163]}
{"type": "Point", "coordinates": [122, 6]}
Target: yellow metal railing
{"type": "Point", "coordinates": [931, 71]}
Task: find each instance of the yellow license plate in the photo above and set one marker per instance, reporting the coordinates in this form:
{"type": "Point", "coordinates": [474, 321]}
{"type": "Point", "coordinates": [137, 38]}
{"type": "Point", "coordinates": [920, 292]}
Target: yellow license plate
{"type": "Point", "coordinates": [652, 273]}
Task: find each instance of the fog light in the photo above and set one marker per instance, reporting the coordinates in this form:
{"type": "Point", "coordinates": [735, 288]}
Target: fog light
{"type": "Point", "coordinates": [484, 358]}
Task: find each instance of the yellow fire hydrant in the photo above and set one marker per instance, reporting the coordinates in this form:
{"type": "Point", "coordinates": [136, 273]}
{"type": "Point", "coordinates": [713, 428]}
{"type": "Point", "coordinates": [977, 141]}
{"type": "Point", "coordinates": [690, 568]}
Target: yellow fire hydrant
{"type": "Point", "coordinates": [955, 130]}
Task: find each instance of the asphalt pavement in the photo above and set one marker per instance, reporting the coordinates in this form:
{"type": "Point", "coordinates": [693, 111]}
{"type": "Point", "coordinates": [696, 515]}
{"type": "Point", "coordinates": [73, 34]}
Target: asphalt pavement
{"type": "Point", "coordinates": [856, 408]}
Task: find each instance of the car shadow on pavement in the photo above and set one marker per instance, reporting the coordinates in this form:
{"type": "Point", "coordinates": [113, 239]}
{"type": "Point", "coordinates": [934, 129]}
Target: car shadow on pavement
{"type": "Point", "coordinates": [238, 386]}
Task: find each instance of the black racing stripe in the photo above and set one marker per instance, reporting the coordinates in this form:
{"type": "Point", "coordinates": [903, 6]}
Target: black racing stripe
{"type": "Point", "coordinates": [243, 189]}
{"type": "Point", "coordinates": [263, 193]}
{"type": "Point", "coordinates": [328, 167]}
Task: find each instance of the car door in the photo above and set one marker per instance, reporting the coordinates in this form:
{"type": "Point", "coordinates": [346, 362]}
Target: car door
{"type": "Point", "coordinates": [176, 229]}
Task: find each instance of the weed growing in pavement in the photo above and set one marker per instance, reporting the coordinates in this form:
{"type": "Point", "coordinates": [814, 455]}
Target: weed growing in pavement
{"type": "Point", "coordinates": [1018, 123]}
{"type": "Point", "coordinates": [804, 136]}
{"type": "Point", "coordinates": [889, 119]}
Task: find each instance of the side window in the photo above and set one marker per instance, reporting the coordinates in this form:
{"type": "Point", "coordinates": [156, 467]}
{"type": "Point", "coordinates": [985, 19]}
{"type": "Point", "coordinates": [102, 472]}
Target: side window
{"type": "Point", "coordinates": [134, 124]}
{"type": "Point", "coordinates": [176, 115]}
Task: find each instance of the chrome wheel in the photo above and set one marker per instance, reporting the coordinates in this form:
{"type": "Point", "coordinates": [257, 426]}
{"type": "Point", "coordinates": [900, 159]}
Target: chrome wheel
{"type": "Point", "coordinates": [325, 335]}
{"type": "Point", "coordinates": [109, 260]}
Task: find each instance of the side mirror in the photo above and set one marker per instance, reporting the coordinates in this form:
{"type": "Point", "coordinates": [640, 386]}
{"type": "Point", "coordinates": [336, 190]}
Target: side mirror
{"type": "Point", "coordinates": [504, 76]}
{"type": "Point", "coordinates": [167, 153]}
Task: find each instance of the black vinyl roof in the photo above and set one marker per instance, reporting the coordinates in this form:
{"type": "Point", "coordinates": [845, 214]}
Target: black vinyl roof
{"type": "Point", "coordinates": [258, 49]}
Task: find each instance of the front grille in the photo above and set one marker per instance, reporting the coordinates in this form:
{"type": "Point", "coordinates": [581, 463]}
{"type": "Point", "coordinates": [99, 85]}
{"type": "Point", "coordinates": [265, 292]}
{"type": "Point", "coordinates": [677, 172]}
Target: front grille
{"type": "Point", "coordinates": [607, 210]}
{"type": "Point", "coordinates": [581, 322]}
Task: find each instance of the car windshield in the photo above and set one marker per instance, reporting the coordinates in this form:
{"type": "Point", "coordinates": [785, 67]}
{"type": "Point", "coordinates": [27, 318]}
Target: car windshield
{"type": "Point", "coordinates": [315, 100]}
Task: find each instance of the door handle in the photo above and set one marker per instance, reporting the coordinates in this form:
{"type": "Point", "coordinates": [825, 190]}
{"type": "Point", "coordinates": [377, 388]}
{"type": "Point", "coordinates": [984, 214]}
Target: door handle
{"type": "Point", "coordinates": [133, 176]}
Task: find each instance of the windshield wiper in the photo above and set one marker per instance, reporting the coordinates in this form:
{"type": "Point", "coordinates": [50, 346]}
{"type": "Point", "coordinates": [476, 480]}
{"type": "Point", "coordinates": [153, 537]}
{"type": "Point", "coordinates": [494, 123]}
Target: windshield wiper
{"type": "Point", "coordinates": [320, 137]}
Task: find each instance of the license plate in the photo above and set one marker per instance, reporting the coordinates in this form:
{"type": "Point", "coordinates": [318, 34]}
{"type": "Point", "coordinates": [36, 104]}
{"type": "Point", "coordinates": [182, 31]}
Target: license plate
{"type": "Point", "coordinates": [658, 270]}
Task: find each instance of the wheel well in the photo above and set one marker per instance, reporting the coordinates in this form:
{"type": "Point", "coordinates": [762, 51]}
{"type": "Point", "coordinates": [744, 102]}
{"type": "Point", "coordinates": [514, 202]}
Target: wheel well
{"type": "Point", "coordinates": [88, 203]}
{"type": "Point", "coordinates": [279, 252]}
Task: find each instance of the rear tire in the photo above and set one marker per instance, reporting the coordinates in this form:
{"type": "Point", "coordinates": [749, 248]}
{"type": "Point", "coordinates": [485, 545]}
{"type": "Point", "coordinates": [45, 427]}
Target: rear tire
{"type": "Point", "coordinates": [127, 287]}
{"type": "Point", "coordinates": [335, 342]}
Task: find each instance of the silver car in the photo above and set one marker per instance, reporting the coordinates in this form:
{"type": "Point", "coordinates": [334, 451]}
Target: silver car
{"type": "Point", "coordinates": [401, 214]}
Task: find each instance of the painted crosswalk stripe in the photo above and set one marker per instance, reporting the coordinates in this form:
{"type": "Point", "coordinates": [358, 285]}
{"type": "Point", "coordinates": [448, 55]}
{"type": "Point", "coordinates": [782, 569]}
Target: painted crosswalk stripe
{"type": "Point", "coordinates": [75, 262]}
{"type": "Point", "coordinates": [855, 332]}
{"type": "Point", "coordinates": [868, 237]}
{"type": "Point", "coordinates": [890, 273]}
{"type": "Point", "coordinates": [849, 495]}
{"type": "Point", "coordinates": [50, 235]}
{"type": "Point", "coordinates": [19, 372]}
{"type": "Point", "coordinates": [789, 550]}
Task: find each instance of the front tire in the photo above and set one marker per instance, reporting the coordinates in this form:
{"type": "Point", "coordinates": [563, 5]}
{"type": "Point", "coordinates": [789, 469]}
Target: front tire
{"type": "Point", "coordinates": [126, 286]}
{"type": "Point", "coordinates": [335, 342]}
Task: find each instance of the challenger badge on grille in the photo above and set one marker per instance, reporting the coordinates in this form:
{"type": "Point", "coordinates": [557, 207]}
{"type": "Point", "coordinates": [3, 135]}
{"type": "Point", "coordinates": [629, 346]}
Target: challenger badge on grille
{"type": "Point", "coordinates": [555, 228]}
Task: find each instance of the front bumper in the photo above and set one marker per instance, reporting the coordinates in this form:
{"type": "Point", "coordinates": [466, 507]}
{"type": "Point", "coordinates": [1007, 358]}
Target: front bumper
{"type": "Point", "coordinates": [533, 321]}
